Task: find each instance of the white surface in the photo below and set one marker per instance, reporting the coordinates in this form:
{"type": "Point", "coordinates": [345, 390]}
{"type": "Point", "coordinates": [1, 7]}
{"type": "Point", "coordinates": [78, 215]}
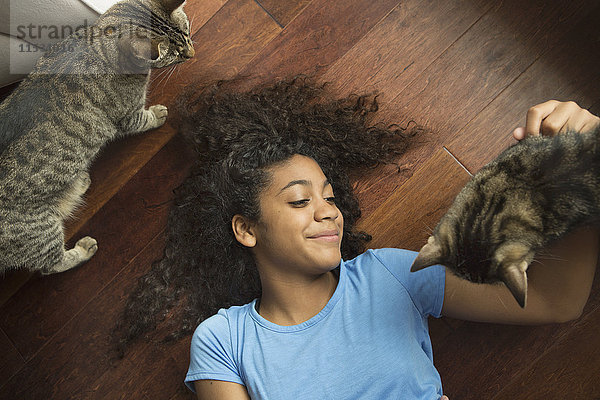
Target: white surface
{"type": "Point", "coordinates": [100, 5]}
{"type": "Point", "coordinates": [39, 22]}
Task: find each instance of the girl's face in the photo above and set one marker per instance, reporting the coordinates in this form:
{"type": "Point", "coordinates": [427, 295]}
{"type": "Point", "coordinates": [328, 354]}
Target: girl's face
{"type": "Point", "coordinates": [300, 228]}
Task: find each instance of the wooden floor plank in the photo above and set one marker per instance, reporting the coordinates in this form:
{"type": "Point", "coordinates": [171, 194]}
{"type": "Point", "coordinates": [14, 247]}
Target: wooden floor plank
{"type": "Point", "coordinates": [407, 217]}
{"type": "Point", "coordinates": [283, 11]}
{"type": "Point", "coordinates": [565, 72]}
{"type": "Point", "coordinates": [41, 308]}
{"type": "Point", "coordinates": [483, 62]}
{"type": "Point", "coordinates": [400, 47]}
{"type": "Point", "coordinates": [90, 352]}
{"type": "Point", "coordinates": [11, 361]}
{"type": "Point", "coordinates": [569, 370]}
{"type": "Point", "coordinates": [315, 39]}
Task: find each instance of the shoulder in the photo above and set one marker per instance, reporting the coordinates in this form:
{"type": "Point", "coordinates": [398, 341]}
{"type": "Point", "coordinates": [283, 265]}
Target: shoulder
{"type": "Point", "coordinates": [219, 326]}
{"type": "Point", "coordinates": [425, 287]}
{"type": "Point", "coordinates": [391, 259]}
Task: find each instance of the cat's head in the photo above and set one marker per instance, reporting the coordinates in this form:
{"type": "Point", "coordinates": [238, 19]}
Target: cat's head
{"type": "Point", "coordinates": [151, 33]}
{"type": "Point", "coordinates": [482, 244]}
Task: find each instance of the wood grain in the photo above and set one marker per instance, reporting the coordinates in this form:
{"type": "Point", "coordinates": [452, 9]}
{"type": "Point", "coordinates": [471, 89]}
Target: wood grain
{"type": "Point", "coordinates": [283, 11]}
{"type": "Point", "coordinates": [483, 62]}
{"type": "Point", "coordinates": [401, 46]}
{"type": "Point", "coordinates": [90, 352]}
{"type": "Point", "coordinates": [11, 361]}
{"type": "Point", "coordinates": [219, 53]}
{"type": "Point", "coordinates": [315, 39]}
{"type": "Point", "coordinates": [564, 72]}
{"type": "Point", "coordinates": [570, 365]}
{"type": "Point", "coordinates": [407, 217]}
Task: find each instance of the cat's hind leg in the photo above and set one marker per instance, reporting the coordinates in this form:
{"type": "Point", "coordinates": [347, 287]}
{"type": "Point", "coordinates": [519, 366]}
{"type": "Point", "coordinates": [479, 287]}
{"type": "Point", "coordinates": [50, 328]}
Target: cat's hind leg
{"type": "Point", "coordinates": [84, 249]}
{"type": "Point", "coordinates": [144, 120]}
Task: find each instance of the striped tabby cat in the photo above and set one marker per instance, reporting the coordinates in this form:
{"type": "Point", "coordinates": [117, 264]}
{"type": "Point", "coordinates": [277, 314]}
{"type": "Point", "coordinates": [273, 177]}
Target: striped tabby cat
{"type": "Point", "coordinates": [86, 91]}
{"type": "Point", "coordinates": [534, 193]}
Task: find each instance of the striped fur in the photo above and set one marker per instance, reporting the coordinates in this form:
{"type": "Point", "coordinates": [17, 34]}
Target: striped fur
{"type": "Point", "coordinates": [84, 92]}
{"type": "Point", "coordinates": [534, 193]}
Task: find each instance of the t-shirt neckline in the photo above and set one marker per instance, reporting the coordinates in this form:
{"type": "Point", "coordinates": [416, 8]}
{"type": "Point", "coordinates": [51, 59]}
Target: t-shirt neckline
{"type": "Point", "coordinates": [337, 294]}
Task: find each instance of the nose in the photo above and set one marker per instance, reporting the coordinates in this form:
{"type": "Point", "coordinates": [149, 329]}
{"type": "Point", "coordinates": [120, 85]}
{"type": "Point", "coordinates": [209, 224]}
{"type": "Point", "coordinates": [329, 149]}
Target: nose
{"type": "Point", "coordinates": [326, 210]}
{"type": "Point", "coordinates": [188, 52]}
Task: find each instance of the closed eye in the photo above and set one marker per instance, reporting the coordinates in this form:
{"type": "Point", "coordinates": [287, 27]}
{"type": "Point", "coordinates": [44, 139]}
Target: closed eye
{"type": "Point", "coordinates": [330, 199]}
{"type": "Point", "coordinates": [299, 203]}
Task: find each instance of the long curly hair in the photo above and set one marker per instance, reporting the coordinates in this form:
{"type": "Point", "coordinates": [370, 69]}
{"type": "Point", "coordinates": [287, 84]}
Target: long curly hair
{"type": "Point", "coordinates": [237, 136]}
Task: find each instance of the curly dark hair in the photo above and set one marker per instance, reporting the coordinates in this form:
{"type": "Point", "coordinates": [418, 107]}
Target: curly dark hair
{"type": "Point", "coordinates": [237, 136]}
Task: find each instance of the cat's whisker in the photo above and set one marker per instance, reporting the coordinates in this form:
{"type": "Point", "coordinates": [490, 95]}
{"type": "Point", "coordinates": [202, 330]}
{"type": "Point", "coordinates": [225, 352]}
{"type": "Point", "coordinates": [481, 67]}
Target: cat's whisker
{"type": "Point", "coordinates": [173, 69]}
{"type": "Point", "coordinates": [165, 78]}
{"type": "Point", "coordinates": [501, 302]}
{"type": "Point", "coordinates": [428, 228]}
{"type": "Point", "coordinates": [155, 77]}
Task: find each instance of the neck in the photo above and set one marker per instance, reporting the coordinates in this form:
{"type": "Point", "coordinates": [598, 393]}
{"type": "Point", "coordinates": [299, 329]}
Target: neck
{"type": "Point", "coordinates": [287, 301]}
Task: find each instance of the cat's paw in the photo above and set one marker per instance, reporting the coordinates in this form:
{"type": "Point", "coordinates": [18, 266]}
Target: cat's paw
{"type": "Point", "coordinates": [87, 247]}
{"type": "Point", "coordinates": [160, 112]}
{"type": "Point", "coordinates": [84, 181]}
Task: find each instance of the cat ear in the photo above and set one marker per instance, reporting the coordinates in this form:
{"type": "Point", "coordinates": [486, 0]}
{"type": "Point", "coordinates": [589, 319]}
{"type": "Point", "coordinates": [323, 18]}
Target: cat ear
{"type": "Point", "coordinates": [145, 49]}
{"type": "Point", "coordinates": [515, 279]}
{"type": "Point", "coordinates": [430, 254]}
{"type": "Point", "coordinates": [171, 5]}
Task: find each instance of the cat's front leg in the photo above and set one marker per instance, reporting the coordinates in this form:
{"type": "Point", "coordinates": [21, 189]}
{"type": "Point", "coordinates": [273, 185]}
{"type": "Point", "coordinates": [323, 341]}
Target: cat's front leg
{"type": "Point", "coordinates": [144, 120]}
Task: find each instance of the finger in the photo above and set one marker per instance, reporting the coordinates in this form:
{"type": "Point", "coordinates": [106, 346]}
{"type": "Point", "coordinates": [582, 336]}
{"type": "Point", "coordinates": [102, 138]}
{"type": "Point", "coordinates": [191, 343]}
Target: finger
{"type": "Point", "coordinates": [519, 133]}
{"type": "Point", "coordinates": [576, 122]}
{"type": "Point", "coordinates": [444, 397]}
{"type": "Point", "coordinates": [591, 126]}
{"type": "Point", "coordinates": [563, 119]}
{"type": "Point", "coordinates": [578, 117]}
{"type": "Point", "coordinates": [555, 122]}
{"type": "Point", "coordinates": [536, 114]}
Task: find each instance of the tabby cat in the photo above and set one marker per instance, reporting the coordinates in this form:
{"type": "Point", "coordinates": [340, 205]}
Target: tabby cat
{"type": "Point", "coordinates": [534, 193]}
{"type": "Point", "coordinates": [86, 91]}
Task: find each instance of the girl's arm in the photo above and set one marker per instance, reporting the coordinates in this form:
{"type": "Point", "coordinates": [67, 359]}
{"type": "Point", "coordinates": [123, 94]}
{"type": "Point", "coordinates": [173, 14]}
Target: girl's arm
{"type": "Point", "coordinates": [558, 287]}
{"type": "Point", "coordinates": [558, 284]}
{"type": "Point", "coordinates": [220, 390]}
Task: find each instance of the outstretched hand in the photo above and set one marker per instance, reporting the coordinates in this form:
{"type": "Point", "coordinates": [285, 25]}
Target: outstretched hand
{"type": "Point", "coordinates": [553, 117]}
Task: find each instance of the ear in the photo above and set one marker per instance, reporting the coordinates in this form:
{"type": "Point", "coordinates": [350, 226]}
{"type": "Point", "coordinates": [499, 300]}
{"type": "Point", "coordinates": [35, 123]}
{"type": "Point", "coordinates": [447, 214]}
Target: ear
{"type": "Point", "coordinates": [515, 279]}
{"type": "Point", "coordinates": [243, 229]}
{"type": "Point", "coordinates": [171, 5]}
{"type": "Point", "coordinates": [430, 254]}
{"type": "Point", "coordinates": [145, 49]}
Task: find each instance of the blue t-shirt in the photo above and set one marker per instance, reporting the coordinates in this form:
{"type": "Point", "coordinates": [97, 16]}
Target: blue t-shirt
{"type": "Point", "coordinates": [371, 340]}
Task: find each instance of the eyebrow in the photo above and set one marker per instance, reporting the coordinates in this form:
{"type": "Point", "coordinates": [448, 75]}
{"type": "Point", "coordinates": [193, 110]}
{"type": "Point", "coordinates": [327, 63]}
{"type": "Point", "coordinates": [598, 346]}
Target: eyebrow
{"type": "Point", "coordinates": [302, 182]}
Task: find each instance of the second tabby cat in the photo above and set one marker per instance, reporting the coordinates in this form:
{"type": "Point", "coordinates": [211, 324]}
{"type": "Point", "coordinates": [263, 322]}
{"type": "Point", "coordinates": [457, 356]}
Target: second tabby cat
{"type": "Point", "coordinates": [86, 91]}
{"type": "Point", "coordinates": [534, 193]}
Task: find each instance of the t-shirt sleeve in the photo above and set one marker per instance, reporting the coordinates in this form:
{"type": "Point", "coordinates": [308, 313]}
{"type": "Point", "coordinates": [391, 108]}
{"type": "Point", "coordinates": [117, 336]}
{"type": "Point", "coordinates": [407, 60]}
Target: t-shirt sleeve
{"type": "Point", "coordinates": [425, 287]}
{"type": "Point", "coordinates": [211, 353]}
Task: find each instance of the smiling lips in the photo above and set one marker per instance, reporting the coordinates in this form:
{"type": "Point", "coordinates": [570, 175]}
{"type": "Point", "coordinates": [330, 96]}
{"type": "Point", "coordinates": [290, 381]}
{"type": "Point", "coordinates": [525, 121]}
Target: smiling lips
{"type": "Point", "coordinates": [327, 236]}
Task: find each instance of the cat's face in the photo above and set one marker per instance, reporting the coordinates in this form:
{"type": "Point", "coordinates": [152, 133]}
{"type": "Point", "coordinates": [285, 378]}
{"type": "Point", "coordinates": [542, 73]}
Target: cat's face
{"type": "Point", "coordinates": [155, 33]}
{"type": "Point", "coordinates": [477, 256]}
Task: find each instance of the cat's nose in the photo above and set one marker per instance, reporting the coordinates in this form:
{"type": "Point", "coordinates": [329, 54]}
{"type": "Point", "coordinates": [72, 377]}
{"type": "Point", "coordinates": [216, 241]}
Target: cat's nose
{"type": "Point", "coordinates": [188, 52]}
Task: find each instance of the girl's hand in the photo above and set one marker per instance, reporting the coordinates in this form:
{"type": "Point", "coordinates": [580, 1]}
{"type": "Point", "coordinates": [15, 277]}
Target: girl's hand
{"type": "Point", "coordinates": [444, 398]}
{"type": "Point", "coordinates": [554, 117]}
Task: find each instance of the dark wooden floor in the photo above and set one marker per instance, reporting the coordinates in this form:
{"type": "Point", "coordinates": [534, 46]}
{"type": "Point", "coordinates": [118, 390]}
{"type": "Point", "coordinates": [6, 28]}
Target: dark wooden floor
{"type": "Point", "coordinates": [466, 69]}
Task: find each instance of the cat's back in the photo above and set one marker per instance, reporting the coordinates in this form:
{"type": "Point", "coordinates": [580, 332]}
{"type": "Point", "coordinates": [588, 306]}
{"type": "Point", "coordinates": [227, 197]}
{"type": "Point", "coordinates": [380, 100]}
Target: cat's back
{"type": "Point", "coordinates": [543, 160]}
{"type": "Point", "coordinates": [20, 112]}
